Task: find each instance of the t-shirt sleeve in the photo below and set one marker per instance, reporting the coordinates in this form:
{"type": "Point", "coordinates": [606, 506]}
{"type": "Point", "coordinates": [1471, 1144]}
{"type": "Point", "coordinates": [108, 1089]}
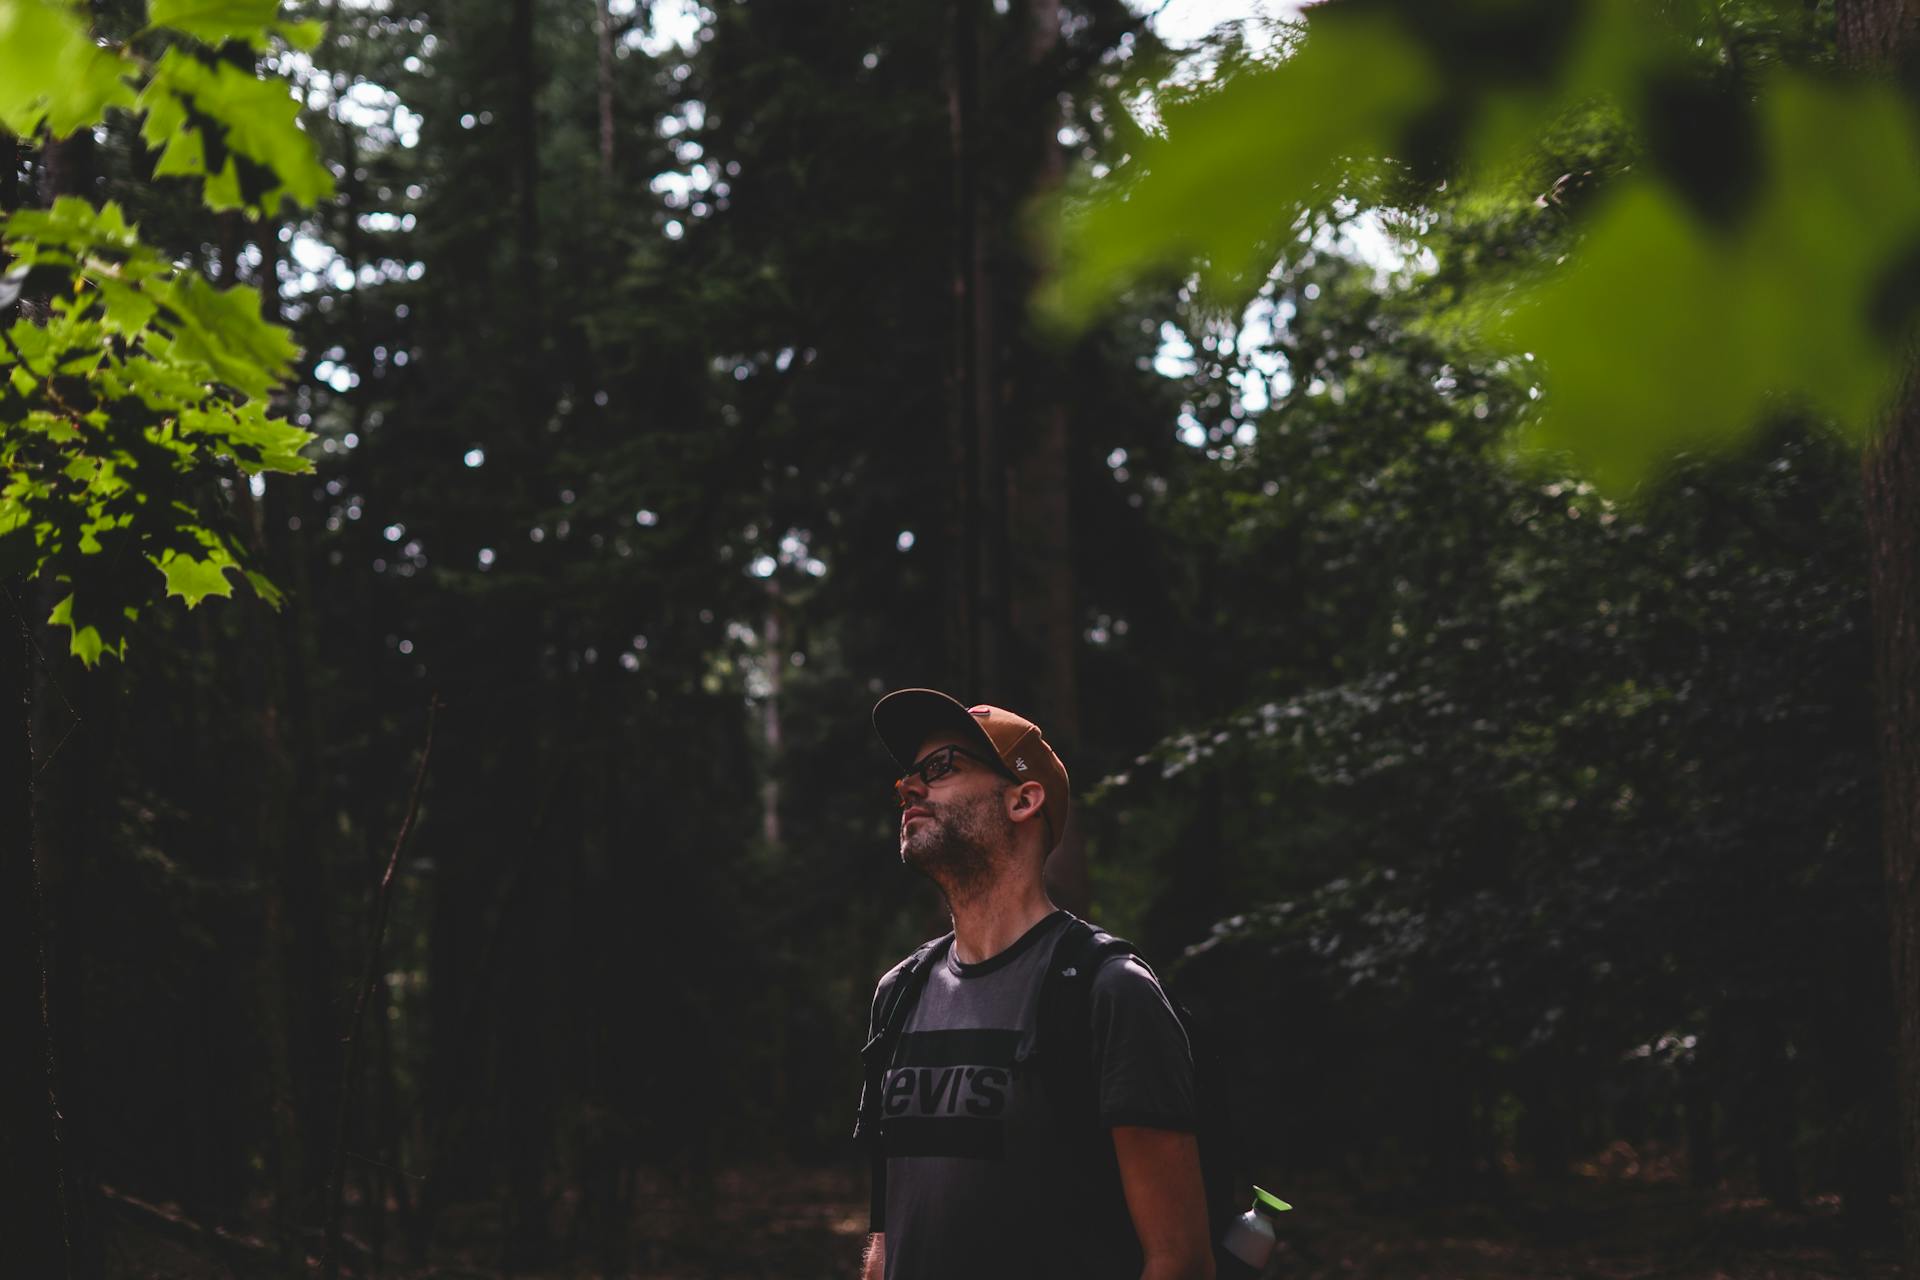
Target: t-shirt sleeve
{"type": "Point", "coordinates": [1141, 1055]}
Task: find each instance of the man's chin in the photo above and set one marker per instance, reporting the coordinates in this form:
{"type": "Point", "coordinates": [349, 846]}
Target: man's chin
{"type": "Point", "coordinates": [927, 857]}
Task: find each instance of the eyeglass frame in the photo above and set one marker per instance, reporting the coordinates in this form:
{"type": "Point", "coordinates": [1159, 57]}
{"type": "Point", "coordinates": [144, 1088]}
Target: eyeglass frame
{"type": "Point", "coordinates": [951, 749]}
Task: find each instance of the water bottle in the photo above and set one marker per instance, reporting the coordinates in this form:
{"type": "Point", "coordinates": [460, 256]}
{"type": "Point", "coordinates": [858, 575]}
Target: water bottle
{"type": "Point", "coordinates": [1248, 1245]}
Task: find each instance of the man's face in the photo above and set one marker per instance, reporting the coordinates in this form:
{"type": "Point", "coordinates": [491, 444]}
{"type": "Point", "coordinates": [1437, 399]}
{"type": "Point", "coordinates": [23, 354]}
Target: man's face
{"type": "Point", "coordinates": [953, 828]}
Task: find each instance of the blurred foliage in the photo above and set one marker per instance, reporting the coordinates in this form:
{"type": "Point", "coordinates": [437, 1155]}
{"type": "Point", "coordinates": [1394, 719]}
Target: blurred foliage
{"type": "Point", "coordinates": [1738, 267]}
{"type": "Point", "coordinates": [1520, 772]}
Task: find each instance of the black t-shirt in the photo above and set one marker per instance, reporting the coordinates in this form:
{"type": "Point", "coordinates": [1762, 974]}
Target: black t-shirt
{"type": "Point", "coordinates": [974, 1162]}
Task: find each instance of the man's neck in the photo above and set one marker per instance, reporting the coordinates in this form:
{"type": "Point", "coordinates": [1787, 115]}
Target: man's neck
{"type": "Point", "coordinates": [993, 918]}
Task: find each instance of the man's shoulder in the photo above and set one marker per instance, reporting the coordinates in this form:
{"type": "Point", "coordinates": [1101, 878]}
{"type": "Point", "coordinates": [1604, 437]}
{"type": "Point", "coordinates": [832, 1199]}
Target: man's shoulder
{"type": "Point", "coordinates": [1124, 984]}
{"type": "Point", "coordinates": [893, 975]}
{"type": "Point", "coordinates": [919, 954]}
{"type": "Point", "coordinates": [1113, 958]}
{"type": "Point", "coordinates": [1122, 975]}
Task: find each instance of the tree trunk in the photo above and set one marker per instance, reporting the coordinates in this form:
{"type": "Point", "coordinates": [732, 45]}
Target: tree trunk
{"type": "Point", "coordinates": [1892, 472]}
{"type": "Point", "coordinates": [773, 648]}
{"type": "Point", "coordinates": [294, 982]}
{"type": "Point", "coordinates": [35, 1222]}
{"type": "Point", "coordinates": [73, 765]}
{"type": "Point", "coordinates": [1043, 605]}
{"type": "Point", "coordinates": [526, 142]}
{"type": "Point", "coordinates": [1012, 616]}
{"type": "Point", "coordinates": [603, 33]}
{"type": "Point", "coordinates": [1883, 37]}
{"type": "Point", "coordinates": [1703, 1150]}
{"type": "Point", "coordinates": [976, 532]}
{"type": "Point", "coordinates": [66, 167]}
{"type": "Point", "coordinates": [52, 1237]}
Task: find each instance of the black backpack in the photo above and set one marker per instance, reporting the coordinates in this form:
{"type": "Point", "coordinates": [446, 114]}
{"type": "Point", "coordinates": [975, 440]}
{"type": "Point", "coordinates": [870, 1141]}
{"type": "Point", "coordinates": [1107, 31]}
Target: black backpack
{"type": "Point", "coordinates": [1062, 1055]}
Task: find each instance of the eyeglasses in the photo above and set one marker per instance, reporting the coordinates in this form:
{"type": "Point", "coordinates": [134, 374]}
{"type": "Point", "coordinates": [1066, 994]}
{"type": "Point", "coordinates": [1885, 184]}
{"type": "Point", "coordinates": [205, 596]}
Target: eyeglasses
{"type": "Point", "coordinates": [937, 764]}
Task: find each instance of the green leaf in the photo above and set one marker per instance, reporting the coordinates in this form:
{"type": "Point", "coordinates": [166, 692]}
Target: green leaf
{"type": "Point", "coordinates": [194, 579]}
{"type": "Point", "coordinates": [128, 309]}
{"type": "Point", "coordinates": [246, 116]}
{"type": "Point", "coordinates": [224, 330]}
{"type": "Point", "coordinates": [75, 226]}
{"type": "Point", "coordinates": [51, 71]}
{"type": "Point", "coordinates": [1666, 335]}
{"type": "Point", "coordinates": [304, 36]}
{"type": "Point", "coordinates": [87, 643]}
{"type": "Point", "coordinates": [217, 21]}
{"type": "Point", "coordinates": [184, 157]}
{"type": "Point", "coordinates": [265, 589]}
{"type": "Point", "coordinates": [222, 188]}
{"type": "Point", "coordinates": [162, 386]}
{"type": "Point", "coordinates": [1237, 165]}
{"type": "Point", "coordinates": [250, 21]}
{"type": "Point", "coordinates": [255, 441]}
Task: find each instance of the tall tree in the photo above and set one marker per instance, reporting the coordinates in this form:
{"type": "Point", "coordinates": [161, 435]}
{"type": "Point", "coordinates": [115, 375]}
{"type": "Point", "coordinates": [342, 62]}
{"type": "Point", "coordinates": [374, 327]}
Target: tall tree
{"type": "Point", "coordinates": [1882, 38]}
{"type": "Point", "coordinates": [35, 1221]}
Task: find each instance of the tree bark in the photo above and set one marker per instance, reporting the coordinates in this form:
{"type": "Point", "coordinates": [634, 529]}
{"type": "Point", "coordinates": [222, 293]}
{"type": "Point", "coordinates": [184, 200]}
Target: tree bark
{"type": "Point", "coordinates": [1043, 605]}
{"type": "Point", "coordinates": [29, 1155]}
{"type": "Point", "coordinates": [1883, 37]}
{"type": "Point", "coordinates": [773, 647]}
{"type": "Point", "coordinates": [294, 980]}
{"type": "Point", "coordinates": [66, 167]}
{"type": "Point", "coordinates": [974, 658]}
{"type": "Point", "coordinates": [526, 142]}
{"type": "Point", "coordinates": [603, 34]}
{"type": "Point", "coordinates": [35, 1221]}
{"type": "Point", "coordinates": [369, 985]}
{"type": "Point", "coordinates": [1892, 474]}
{"type": "Point", "coordinates": [51, 1235]}
{"type": "Point", "coordinates": [73, 736]}
{"type": "Point", "coordinates": [1013, 618]}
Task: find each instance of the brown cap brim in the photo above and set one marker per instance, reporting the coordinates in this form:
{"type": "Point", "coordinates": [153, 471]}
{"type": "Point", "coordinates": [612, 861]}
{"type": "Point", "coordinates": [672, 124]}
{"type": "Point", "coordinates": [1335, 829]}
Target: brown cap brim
{"type": "Point", "coordinates": [905, 718]}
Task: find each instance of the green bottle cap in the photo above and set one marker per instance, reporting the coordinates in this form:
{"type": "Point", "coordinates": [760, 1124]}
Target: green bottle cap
{"type": "Point", "coordinates": [1271, 1201]}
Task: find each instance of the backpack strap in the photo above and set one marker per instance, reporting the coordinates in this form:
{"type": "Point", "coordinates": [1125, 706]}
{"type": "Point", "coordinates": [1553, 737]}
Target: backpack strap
{"type": "Point", "coordinates": [1063, 1039]}
{"type": "Point", "coordinates": [1062, 1058]}
{"type": "Point", "coordinates": [894, 1000]}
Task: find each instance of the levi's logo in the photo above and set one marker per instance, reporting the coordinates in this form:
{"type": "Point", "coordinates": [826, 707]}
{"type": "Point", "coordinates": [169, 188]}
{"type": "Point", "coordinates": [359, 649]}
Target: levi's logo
{"type": "Point", "coordinates": [947, 1091]}
{"type": "Point", "coordinates": [946, 1094]}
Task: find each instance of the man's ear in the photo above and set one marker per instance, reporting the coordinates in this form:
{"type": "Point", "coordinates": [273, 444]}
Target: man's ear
{"type": "Point", "coordinates": [1027, 801]}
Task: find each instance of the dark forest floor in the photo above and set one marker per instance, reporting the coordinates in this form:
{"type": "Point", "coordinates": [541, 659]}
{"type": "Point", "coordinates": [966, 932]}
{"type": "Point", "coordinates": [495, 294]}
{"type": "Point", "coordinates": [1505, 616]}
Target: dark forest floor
{"type": "Point", "coordinates": [785, 1224]}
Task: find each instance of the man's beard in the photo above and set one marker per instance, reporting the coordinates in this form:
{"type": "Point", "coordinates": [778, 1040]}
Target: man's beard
{"type": "Point", "coordinates": [958, 848]}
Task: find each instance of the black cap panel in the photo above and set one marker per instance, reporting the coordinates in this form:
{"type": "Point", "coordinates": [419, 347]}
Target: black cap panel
{"type": "Point", "coordinates": [906, 717]}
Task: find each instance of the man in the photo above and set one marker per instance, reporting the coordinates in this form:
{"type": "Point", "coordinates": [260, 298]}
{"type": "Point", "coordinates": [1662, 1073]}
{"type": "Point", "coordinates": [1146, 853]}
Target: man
{"type": "Point", "coordinates": [974, 1175]}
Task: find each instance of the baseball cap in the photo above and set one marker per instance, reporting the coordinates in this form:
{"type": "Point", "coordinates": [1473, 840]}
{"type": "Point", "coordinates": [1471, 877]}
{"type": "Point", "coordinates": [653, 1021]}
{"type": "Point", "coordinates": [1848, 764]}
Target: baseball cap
{"type": "Point", "coordinates": [907, 717]}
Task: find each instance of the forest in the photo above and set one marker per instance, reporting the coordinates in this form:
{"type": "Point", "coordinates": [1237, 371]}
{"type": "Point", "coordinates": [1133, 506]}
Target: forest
{"type": "Point", "coordinates": [1446, 478]}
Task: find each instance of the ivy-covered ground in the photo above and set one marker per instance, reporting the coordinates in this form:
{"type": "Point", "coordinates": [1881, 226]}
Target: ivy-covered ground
{"type": "Point", "coordinates": [1628, 1216]}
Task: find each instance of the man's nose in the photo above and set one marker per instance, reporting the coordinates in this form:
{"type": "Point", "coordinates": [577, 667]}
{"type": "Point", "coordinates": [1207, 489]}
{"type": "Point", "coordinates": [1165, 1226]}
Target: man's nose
{"type": "Point", "coordinates": [910, 789]}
